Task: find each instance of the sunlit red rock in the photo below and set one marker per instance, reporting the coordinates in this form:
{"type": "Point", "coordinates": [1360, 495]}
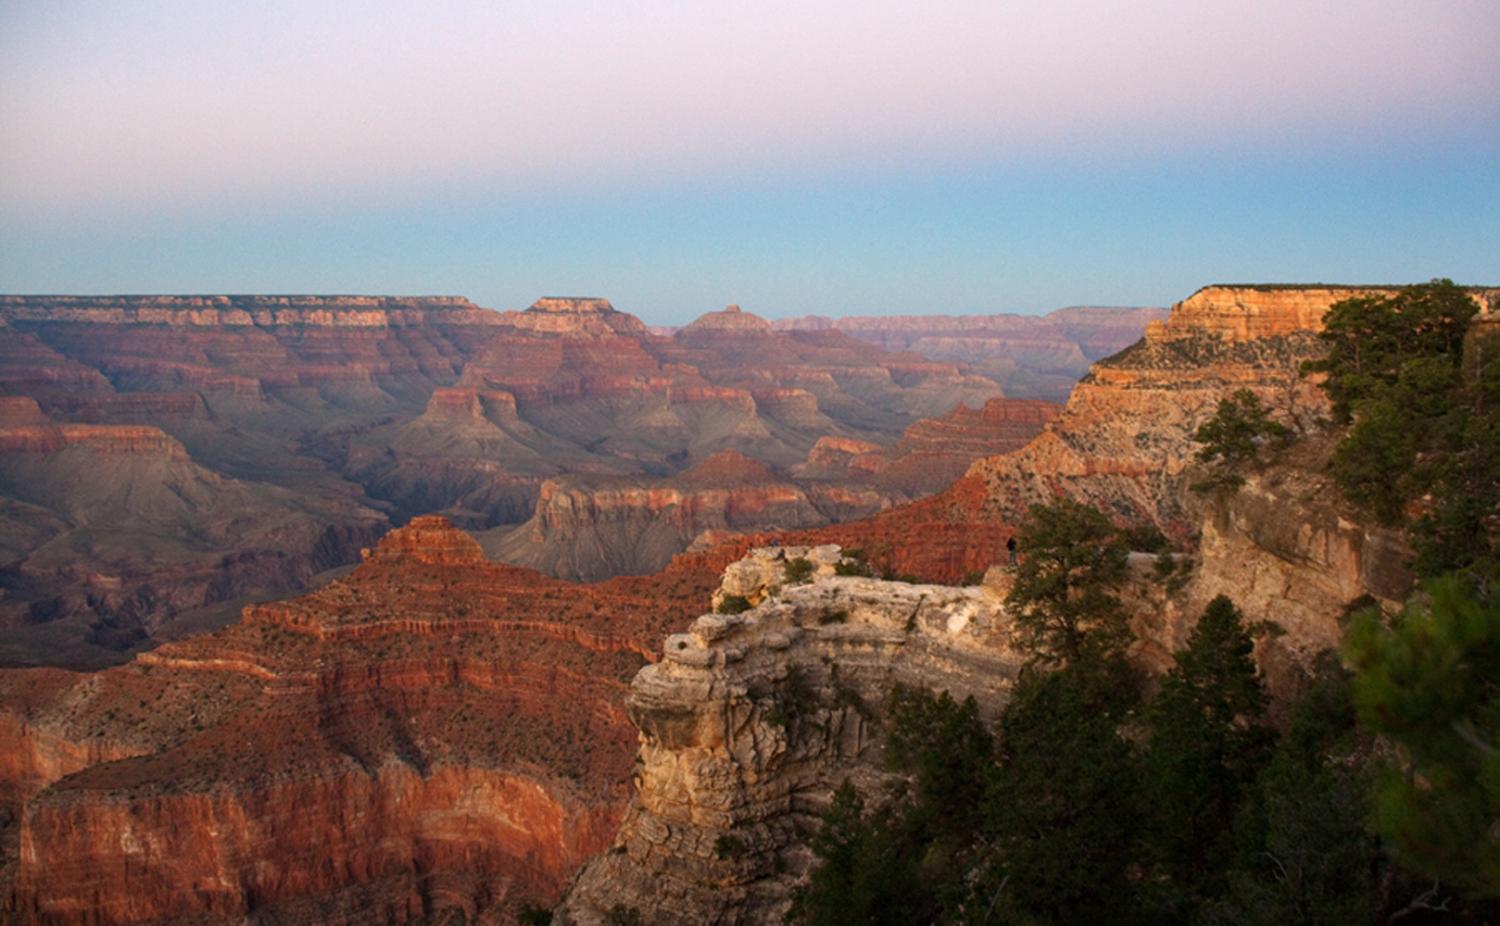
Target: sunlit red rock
{"type": "Point", "coordinates": [432, 733]}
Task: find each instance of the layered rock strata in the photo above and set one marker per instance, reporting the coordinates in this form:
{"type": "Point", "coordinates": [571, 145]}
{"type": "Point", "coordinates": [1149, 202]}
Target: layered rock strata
{"type": "Point", "coordinates": [749, 721]}
{"type": "Point", "coordinates": [370, 410]}
{"type": "Point", "coordinates": [588, 529]}
{"type": "Point", "coordinates": [1029, 356]}
{"type": "Point", "coordinates": [432, 736]}
{"type": "Point", "coordinates": [1124, 442]}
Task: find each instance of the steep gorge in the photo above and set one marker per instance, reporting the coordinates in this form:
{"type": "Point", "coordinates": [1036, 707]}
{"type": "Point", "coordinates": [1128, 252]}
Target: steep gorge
{"type": "Point", "coordinates": [432, 733]}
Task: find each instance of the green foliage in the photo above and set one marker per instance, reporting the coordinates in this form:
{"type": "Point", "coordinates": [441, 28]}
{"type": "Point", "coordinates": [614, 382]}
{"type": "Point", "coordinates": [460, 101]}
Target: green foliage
{"type": "Point", "coordinates": [1430, 683]}
{"type": "Point", "coordinates": [1458, 531]}
{"type": "Point", "coordinates": [1303, 854]}
{"type": "Point", "coordinates": [734, 604]}
{"type": "Point", "coordinates": [1071, 559]}
{"type": "Point", "coordinates": [798, 570]}
{"type": "Point", "coordinates": [1061, 809]}
{"type": "Point", "coordinates": [1420, 393]}
{"type": "Point", "coordinates": [1371, 339]}
{"type": "Point", "coordinates": [945, 745]}
{"type": "Point", "coordinates": [865, 873]}
{"type": "Point", "coordinates": [1373, 463]}
{"type": "Point", "coordinates": [1146, 538]}
{"type": "Point", "coordinates": [727, 847]}
{"type": "Point", "coordinates": [1206, 745]}
{"type": "Point", "coordinates": [853, 563]}
{"type": "Point", "coordinates": [1237, 431]}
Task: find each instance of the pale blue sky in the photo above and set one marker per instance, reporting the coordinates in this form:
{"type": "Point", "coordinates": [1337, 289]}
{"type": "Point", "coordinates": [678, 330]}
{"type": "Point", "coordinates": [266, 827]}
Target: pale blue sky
{"type": "Point", "coordinates": [815, 157]}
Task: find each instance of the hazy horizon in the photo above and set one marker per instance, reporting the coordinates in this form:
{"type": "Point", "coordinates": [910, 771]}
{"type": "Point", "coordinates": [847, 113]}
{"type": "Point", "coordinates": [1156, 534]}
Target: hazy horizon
{"type": "Point", "coordinates": [961, 158]}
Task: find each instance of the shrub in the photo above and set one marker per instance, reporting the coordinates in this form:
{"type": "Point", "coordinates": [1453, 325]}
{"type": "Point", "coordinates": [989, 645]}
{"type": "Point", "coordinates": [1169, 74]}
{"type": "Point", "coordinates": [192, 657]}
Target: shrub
{"type": "Point", "coordinates": [531, 915]}
{"type": "Point", "coordinates": [799, 570]}
{"type": "Point", "coordinates": [734, 604]}
{"type": "Point", "coordinates": [1146, 538]}
{"type": "Point", "coordinates": [1234, 437]}
{"type": "Point", "coordinates": [727, 847]}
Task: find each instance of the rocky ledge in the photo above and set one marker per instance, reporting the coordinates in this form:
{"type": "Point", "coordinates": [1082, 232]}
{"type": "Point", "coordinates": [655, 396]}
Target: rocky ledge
{"type": "Point", "coordinates": [749, 721]}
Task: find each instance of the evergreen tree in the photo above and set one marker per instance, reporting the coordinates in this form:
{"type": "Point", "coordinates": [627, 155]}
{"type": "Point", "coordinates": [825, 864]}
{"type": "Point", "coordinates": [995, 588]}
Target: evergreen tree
{"type": "Point", "coordinates": [1206, 746]}
{"type": "Point", "coordinates": [865, 873]}
{"type": "Point", "coordinates": [944, 744]}
{"type": "Point", "coordinates": [1430, 684]}
{"type": "Point", "coordinates": [1071, 559]}
{"type": "Point", "coordinates": [1371, 339]}
{"type": "Point", "coordinates": [1061, 808]}
{"type": "Point", "coordinates": [1303, 852]}
{"type": "Point", "coordinates": [1459, 531]}
{"type": "Point", "coordinates": [1234, 435]}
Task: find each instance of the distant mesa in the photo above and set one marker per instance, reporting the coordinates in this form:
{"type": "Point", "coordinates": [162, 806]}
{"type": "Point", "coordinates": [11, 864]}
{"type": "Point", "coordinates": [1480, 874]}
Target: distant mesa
{"type": "Point", "coordinates": [572, 305]}
{"type": "Point", "coordinates": [430, 540]}
{"type": "Point", "coordinates": [731, 318]}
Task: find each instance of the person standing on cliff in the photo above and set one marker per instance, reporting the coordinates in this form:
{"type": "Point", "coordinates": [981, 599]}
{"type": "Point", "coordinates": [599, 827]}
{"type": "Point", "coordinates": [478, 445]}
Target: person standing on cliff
{"type": "Point", "coordinates": [1010, 550]}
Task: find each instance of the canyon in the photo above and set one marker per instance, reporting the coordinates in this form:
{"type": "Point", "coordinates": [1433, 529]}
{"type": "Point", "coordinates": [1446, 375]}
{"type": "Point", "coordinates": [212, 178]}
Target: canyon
{"type": "Point", "coordinates": [437, 735]}
{"type": "Point", "coordinates": [1030, 356]}
{"type": "Point", "coordinates": [387, 748]}
{"type": "Point", "coordinates": [166, 459]}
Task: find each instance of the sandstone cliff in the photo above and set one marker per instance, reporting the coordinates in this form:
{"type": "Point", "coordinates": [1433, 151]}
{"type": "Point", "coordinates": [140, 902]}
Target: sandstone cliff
{"type": "Point", "coordinates": [1123, 442]}
{"type": "Point", "coordinates": [750, 721]}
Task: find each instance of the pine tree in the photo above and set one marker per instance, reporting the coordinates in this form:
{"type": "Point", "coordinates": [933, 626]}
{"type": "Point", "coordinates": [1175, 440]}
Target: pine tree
{"type": "Point", "coordinates": [1303, 851]}
{"type": "Point", "coordinates": [1235, 434]}
{"type": "Point", "coordinates": [1206, 745]}
{"type": "Point", "coordinates": [1430, 684]}
{"type": "Point", "coordinates": [866, 872]}
{"type": "Point", "coordinates": [1071, 560]}
{"type": "Point", "coordinates": [1061, 808]}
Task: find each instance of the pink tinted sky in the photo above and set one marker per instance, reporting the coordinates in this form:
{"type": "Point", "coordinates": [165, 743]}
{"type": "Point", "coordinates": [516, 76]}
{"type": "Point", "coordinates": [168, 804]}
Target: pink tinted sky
{"type": "Point", "coordinates": [178, 111]}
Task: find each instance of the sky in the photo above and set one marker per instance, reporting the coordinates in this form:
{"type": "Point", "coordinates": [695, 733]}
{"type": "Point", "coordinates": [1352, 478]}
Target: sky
{"type": "Point", "coordinates": [864, 157]}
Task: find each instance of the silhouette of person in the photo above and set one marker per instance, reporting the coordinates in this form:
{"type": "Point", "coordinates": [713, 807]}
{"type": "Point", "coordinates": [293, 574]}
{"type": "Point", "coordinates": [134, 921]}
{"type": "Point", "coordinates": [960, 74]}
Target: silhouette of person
{"type": "Point", "coordinates": [1010, 550]}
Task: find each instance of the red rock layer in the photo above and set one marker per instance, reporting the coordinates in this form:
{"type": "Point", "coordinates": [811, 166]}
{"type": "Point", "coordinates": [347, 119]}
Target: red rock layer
{"type": "Point", "coordinates": [104, 439]}
{"type": "Point", "coordinates": [432, 735]}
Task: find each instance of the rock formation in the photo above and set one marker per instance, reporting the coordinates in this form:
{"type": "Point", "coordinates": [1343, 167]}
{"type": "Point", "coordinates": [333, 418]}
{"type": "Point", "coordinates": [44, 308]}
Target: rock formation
{"type": "Point", "coordinates": [1029, 356]}
{"type": "Point", "coordinates": [432, 735]}
{"type": "Point", "coordinates": [933, 452]}
{"type": "Point", "coordinates": [112, 530]}
{"type": "Point", "coordinates": [749, 721]}
{"type": "Point", "coordinates": [437, 735]}
{"type": "Point", "coordinates": [588, 529]}
{"type": "Point", "coordinates": [364, 411]}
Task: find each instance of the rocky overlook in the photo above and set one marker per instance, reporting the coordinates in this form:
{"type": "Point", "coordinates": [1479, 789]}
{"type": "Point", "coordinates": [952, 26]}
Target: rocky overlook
{"type": "Point", "coordinates": [749, 721]}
